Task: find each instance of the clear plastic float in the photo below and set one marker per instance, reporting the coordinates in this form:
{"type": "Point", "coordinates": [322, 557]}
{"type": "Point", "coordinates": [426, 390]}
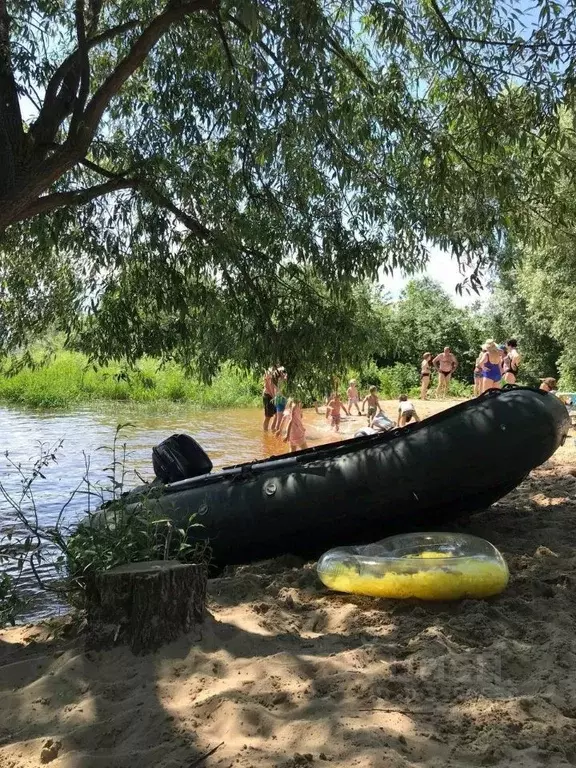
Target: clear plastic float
{"type": "Point", "coordinates": [428, 566]}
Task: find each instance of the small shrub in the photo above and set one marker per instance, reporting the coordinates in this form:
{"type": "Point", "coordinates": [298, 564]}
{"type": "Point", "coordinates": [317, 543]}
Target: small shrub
{"type": "Point", "coordinates": [398, 379]}
{"type": "Point", "coordinates": [369, 376]}
{"type": "Point", "coordinates": [121, 533]}
{"type": "Point", "coordinates": [11, 604]}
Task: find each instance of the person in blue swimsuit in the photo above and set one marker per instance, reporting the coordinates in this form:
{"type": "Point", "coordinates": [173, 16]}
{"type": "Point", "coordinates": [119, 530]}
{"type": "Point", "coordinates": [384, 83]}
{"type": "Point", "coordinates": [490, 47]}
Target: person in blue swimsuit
{"type": "Point", "coordinates": [279, 406]}
{"type": "Point", "coordinates": [491, 366]}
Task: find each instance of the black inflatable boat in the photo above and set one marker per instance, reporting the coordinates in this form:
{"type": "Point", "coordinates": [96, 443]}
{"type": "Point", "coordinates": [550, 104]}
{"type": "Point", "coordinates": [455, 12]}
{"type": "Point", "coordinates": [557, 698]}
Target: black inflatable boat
{"type": "Point", "coordinates": [365, 488]}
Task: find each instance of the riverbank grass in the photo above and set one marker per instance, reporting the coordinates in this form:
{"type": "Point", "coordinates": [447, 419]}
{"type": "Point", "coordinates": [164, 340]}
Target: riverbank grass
{"type": "Point", "coordinates": [68, 379]}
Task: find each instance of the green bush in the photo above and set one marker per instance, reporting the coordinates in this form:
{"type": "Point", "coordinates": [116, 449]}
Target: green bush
{"type": "Point", "coordinates": [68, 379]}
{"type": "Point", "coordinates": [398, 380]}
{"type": "Point", "coordinates": [122, 536]}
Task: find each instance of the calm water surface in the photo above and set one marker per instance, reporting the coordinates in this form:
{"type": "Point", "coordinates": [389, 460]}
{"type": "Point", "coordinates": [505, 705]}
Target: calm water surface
{"type": "Point", "coordinates": [228, 436]}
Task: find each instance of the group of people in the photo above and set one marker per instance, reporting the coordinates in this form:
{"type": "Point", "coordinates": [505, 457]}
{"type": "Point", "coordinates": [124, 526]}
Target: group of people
{"type": "Point", "coordinates": [369, 406]}
{"type": "Point", "coordinates": [282, 416]}
{"type": "Point", "coordinates": [444, 364]}
{"type": "Point", "coordinates": [335, 406]}
{"type": "Point", "coordinates": [495, 364]}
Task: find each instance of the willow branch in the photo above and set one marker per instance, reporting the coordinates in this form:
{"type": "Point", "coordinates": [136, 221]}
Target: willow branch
{"type": "Point", "coordinates": [458, 48]}
{"type": "Point", "coordinates": [43, 128]}
{"type": "Point", "coordinates": [175, 12]}
{"type": "Point", "coordinates": [49, 203]}
{"type": "Point", "coordinates": [154, 195]}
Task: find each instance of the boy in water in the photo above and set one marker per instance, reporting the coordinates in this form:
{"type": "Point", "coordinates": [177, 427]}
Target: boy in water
{"type": "Point", "coordinates": [373, 403]}
{"type": "Point", "coordinates": [334, 407]}
{"type": "Point", "coordinates": [406, 411]}
{"type": "Point", "coordinates": [353, 396]}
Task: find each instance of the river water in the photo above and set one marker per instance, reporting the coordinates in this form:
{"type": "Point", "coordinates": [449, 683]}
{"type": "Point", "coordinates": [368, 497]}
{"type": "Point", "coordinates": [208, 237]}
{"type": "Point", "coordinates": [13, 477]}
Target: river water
{"type": "Point", "coordinates": [228, 436]}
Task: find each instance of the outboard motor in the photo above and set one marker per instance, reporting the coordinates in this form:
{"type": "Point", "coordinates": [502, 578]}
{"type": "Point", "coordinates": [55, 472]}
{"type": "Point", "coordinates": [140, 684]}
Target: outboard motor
{"type": "Point", "coordinates": [179, 457]}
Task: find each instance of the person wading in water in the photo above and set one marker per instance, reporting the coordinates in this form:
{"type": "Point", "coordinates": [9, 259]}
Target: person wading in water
{"type": "Point", "coordinates": [271, 377]}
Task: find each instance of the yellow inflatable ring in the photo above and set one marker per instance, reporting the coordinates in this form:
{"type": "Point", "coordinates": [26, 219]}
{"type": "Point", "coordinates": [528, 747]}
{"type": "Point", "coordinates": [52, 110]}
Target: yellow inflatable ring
{"type": "Point", "coordinates": [428, 566]}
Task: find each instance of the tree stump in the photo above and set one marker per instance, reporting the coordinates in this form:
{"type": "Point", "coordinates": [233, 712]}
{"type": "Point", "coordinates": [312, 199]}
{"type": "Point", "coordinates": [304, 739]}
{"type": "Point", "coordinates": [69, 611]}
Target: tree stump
{"type": "Point", "coordinates": [144, 605]}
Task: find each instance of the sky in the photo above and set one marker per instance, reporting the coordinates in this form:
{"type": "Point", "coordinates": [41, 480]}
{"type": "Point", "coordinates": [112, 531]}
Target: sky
{"type": "Point", "coordinates": [443, 268]}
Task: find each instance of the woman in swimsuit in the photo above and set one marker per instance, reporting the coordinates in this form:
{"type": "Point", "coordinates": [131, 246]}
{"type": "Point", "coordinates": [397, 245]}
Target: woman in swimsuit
{"type": "Point", "coordinates": [491, 366]}
{"type": "Point", "coordinates": [425, 373]}
{"type": "Point", "coordinates": [511, 362]}
{"type": "Point", "coordinates": [268, 394]}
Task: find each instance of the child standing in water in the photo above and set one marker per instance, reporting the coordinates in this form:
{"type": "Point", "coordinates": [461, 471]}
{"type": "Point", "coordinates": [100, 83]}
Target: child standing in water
{"type": "Point", "coordinates": [285, 418]}
{"type": "Point", "coordinates": [353, 396]}
{"type": "Point", "coordinates": [296, 433]}
{"type": "Point", "coordinates": [279, 406]}
{"type": "Point", "coordinates": [374, 406]}
{"type": "Point", "coordinates": [335, 405]}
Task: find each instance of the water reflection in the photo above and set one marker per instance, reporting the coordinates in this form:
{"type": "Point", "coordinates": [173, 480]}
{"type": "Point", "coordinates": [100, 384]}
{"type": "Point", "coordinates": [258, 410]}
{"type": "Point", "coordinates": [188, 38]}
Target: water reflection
{"type": "Point", "coordinates": [228, 436]}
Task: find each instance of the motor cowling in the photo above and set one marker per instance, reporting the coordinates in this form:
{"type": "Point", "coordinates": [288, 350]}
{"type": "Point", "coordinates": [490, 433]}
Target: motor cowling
{"type": "Point", "coordinates": [179, 457]}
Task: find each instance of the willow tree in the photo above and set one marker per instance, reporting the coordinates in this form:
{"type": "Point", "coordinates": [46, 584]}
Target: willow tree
{"type": "Point", "coordinates": [179, 160]}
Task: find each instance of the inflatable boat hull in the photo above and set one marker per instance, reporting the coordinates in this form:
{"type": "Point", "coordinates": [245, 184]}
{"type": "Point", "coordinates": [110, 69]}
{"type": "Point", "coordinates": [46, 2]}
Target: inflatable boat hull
{"type": "Point", "coordinates": [366, 488]}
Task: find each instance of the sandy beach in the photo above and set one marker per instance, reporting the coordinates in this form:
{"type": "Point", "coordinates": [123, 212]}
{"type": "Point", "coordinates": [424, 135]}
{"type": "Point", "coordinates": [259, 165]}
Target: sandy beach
{"type": "Point", "coordinates": [285, 673]}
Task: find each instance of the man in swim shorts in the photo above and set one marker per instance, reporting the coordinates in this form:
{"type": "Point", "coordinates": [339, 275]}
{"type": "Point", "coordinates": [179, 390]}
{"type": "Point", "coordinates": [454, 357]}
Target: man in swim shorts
{"type": "Point", "coordinates": [445, 363]}
{"type": "Point", "coordinates": [268, 395]}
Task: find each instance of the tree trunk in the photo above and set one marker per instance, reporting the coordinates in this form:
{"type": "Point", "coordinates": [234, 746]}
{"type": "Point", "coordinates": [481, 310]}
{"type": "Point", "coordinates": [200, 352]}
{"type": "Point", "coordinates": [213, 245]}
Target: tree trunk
{"type": "Point", "coordinates": [145, 605]}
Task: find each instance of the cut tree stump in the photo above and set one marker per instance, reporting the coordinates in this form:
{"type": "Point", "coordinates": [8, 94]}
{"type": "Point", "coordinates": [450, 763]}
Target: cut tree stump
{"type": "Point", "coordinates": [144, 605]}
